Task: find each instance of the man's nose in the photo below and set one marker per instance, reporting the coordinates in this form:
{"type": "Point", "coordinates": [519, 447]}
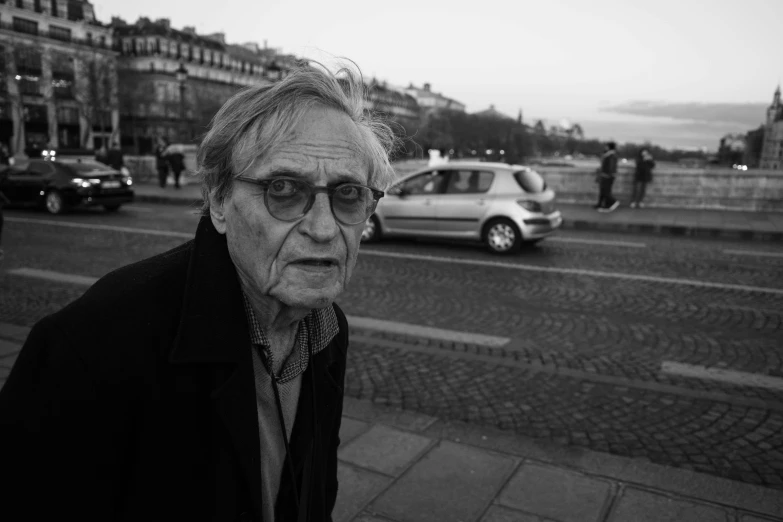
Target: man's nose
{"type": "Point", "coordinates": [319, 223]}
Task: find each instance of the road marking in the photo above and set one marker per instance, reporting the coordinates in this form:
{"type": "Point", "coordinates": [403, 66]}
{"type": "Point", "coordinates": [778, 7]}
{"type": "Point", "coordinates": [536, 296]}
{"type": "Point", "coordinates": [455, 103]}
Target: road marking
{"type": "Point", "coordinates": [426, 331]}
{"type": "Point", "coordinates": [574, 271]}
{"type": "Point", "coordinates": [93, 226]}
{"type": "Point", "coordinates": [420, 257]}
{"type": "Point", "coordinates": [719, 374]}
{"type": "Point", "coordinates": [134, 208]}
{"type": "Point", "coordinates": [753, 253]}
{"type": "Point", "coordinates": [57, 277]}
{"type": "Point", "coordinates": [630, 244]}
{"type": "Point", "coordinates": [366, 323]}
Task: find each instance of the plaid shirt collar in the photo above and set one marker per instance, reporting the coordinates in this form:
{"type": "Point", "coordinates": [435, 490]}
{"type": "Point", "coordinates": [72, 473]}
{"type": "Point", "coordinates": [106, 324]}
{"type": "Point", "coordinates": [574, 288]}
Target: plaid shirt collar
{"type": "Point", "coordinates": [316, 331]}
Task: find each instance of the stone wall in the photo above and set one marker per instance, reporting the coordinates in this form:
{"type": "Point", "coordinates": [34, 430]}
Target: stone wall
{"type": "Point", "coordinates": [728, 189]}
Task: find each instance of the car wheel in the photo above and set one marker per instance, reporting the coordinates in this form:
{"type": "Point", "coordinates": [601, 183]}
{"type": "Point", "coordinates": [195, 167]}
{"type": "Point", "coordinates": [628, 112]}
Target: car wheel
{"type": "Point", "coordinates": [502, 236]}
{"type": "Point", "coordinates": [372, 230]}
{"type": "Point", "coordinates": [111, 208]}
{"type": "Point", "coordinates": [54, 202]}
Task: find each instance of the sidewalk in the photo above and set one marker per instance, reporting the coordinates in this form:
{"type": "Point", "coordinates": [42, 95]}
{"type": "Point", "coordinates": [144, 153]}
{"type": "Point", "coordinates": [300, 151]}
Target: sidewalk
{"type": "Point", "coordinates": [401, 466]}
{"type": "Point", "coordinates": [704, 223]}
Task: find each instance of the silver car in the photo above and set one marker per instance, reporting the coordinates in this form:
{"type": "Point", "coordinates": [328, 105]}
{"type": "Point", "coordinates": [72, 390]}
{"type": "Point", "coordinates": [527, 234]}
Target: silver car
{"type": "Point", "coordinates": [499, 204]}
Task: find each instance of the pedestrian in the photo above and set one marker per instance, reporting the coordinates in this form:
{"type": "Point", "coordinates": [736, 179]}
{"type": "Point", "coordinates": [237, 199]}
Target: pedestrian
{"type": "Point", "coordinates": [5, 164]}
{"type": "Point", "coordinates": [176, 162]}
{"type": "Point", "coordinates": [114, 157]}
{"type": "Point", "coordinates": [605, 177]}
{"type": "Point", "coordinates": [642, 176]}
{"type": "Point", "coordinates": [161, 161]}
{"type": "Point", "coordinates": [206, 383]}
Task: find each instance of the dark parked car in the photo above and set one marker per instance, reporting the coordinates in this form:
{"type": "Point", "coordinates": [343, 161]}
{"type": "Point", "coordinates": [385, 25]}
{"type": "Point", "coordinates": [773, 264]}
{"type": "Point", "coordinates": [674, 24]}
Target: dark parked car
{"type": "Point", "coordinates": [62, 184]}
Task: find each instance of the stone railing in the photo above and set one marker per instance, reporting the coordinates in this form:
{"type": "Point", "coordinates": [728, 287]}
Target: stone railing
{"type": "Point", "coordinates": [723, 189]}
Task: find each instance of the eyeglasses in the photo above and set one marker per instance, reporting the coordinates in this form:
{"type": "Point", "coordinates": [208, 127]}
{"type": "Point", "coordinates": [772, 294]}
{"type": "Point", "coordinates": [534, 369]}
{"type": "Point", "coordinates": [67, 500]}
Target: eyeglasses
{"type": "Point", "coordinates": [289, 199]}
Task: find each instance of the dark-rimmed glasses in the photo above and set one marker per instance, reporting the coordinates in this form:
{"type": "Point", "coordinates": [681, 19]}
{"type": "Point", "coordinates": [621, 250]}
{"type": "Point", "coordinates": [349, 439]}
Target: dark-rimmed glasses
{"type": "Point", "coordinates": [289, 199]}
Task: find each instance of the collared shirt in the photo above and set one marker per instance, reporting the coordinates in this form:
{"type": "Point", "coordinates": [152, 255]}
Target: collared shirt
{"type": "Point", "coordinates": [314, 332]}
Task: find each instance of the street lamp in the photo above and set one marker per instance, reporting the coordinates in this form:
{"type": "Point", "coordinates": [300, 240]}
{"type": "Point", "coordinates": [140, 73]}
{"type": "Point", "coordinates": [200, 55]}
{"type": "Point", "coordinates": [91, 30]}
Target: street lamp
{"type": "Point", "coordinates": [182, 76]}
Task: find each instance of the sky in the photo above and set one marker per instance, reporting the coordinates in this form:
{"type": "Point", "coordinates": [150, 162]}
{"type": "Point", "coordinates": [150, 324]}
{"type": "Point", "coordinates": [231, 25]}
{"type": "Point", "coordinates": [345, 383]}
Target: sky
{"type": "Point", "coordinates": [553, 59]}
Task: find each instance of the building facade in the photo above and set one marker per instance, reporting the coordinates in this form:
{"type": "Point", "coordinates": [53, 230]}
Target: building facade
{"type": "Point", "coordinates": [394, 104]}
{"type": "Point", "coordinates": [772, 149]}
{"type": "Point", "coordinates": [431, 101]}
{"type": "Point", "coordinates": [58, 81]}
{"type": "Point", "coordinates": [173, 81]}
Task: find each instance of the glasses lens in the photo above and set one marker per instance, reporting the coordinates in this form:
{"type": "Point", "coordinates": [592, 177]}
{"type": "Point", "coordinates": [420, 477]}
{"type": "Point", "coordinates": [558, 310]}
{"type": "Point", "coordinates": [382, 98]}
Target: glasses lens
{"type": "Point", "coordinates": [286, 199]}
{"type": "Point", "coordinates": [352, 204]}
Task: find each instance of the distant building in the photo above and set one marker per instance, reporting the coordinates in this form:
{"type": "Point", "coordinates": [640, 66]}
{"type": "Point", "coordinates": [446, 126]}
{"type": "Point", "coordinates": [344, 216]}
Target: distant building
{"type": "Point", "coordinates": [433, 101]}
{"type": "Point", "coordinates": [172, 81]}
{"type": "Point", "coordinates": [58, 80]}
{"type": "Point", "coordinates": [397, 105]}
{"type": "Point", "coordinates": [772, 149]}
{"type": "Point", "coordinates": [493, 113]}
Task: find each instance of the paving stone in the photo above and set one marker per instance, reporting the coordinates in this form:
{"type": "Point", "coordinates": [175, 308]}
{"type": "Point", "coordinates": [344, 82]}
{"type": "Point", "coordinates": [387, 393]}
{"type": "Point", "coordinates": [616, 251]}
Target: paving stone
{"type": "Point", "coordinates": [502, 514]}
{"type": "Point", "coordinates": [407, 420]}
{"type": "Point", "coordinates": [556, 493]}
{"type": "Point", "coordinates": [384, 449]}
{"type": "Point", "coordinates": [350, 429]}
{"type": "Point", "coordinates": [452, 483]}
{"type": "Point", "coordinates": [751, 518]}
{"type": "Point", "coordinates": [356, 488]}
{"type": "Point", "coordinates": [642, 506]}
{"type": "Point", "coordinates": [14, 332]}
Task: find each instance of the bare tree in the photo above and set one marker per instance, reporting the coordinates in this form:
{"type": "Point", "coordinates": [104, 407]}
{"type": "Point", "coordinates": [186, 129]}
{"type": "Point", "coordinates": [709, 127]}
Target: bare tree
{"type": "Point", "coordinates": [93, 93]}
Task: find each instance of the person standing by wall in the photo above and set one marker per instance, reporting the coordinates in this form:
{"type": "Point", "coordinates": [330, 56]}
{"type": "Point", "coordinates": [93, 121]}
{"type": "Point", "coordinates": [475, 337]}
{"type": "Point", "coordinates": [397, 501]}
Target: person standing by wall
{"type": "Point", "coordinates": [642, 176]}
{"type": "Point", "coordinates": [161, 161]}
{"type": "Point", "coordinates": [5, 163]}
{"type": "Point", "coordinates": [176, 161]}
{"type": "Point", "coordinates": [606, 175]}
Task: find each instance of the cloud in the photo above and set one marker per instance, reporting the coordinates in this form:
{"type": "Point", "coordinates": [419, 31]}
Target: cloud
{"type": "Point", "coordinates": [749, 115]}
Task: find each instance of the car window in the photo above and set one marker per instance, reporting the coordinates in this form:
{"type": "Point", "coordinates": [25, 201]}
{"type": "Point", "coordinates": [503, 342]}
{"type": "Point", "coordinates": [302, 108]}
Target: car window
{"type": "Point", "coordinates": [469, 181]}
{"type": "Point", "coordinates": [85, 167]}
{"type": "Point", "coordinates": [530, 181]}
{"type": "Point", "coordinates": [40, 167]}
{"type": "Point", "coordinates": [427, 183]}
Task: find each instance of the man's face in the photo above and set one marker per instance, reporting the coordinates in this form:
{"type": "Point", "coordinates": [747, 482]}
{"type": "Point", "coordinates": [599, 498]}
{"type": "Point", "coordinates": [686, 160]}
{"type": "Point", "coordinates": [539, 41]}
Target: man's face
{"type": "Point", "coordinates": [306, 263]}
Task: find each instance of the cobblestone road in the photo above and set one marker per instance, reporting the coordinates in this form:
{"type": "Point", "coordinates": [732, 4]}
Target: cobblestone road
{"type": "Point", "coordinates": [584, 364]}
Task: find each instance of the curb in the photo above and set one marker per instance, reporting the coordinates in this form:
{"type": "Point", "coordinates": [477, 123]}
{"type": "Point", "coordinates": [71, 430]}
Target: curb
{"type": "Point", "coordinates": [574, 224]}
{"type": "Point", "coordinates": [674, 230]}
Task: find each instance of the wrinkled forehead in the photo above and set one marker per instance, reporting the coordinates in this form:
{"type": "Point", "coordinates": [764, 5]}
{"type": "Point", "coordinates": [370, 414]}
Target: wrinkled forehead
{"type": "Point", "coordinates": [324, 145]}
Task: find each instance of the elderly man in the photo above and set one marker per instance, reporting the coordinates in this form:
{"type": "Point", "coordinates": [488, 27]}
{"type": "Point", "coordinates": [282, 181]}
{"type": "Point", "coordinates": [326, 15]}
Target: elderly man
{"type": "Point", "coordinates": [209, 384]}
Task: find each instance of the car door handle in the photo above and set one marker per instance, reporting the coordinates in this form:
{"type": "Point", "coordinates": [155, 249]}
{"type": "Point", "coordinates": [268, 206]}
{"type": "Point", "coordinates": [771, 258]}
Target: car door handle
{"type": "Point", "coordinates": [427, 201]}
{"type": "Point", "coordinates": [480, 202]}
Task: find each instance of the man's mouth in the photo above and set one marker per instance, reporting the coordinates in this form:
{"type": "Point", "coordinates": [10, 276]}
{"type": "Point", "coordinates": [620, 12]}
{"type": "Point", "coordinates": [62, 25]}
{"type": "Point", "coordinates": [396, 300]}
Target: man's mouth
{"type": "Point", "coordinates": [321, 262]}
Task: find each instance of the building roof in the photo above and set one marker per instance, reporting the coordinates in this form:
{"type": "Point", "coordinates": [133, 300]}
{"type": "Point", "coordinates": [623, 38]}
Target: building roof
{"type": "Point", "coordinates": [492, 113]}
{"type": "Point", "coordinates": [162, 27]}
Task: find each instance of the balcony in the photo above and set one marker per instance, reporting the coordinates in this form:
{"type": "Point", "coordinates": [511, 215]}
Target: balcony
{"type": "Point", "coordinates": [56, 34]}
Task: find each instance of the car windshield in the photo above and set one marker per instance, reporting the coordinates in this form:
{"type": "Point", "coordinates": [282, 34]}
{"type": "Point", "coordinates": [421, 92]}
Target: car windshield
{"type": "Point", "coordinates": [530, 181]}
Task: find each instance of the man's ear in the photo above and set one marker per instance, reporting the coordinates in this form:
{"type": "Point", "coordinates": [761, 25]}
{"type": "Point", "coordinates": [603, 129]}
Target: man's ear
{"type": "Point", "coordinates": [217, 212]}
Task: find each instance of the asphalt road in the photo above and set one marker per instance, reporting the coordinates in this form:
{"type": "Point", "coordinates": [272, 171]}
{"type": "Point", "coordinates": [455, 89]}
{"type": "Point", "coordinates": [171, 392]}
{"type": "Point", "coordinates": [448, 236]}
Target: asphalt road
{"type": "Point", "coordinates": [663, 348]}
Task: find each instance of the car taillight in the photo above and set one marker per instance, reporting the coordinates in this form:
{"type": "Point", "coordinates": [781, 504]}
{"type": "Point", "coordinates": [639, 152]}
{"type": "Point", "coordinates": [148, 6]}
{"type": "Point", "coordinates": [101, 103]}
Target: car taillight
{"type": "Point", "coordinates": [532, 206]}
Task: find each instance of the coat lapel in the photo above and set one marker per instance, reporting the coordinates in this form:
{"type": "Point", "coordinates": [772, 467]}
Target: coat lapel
{"type": "Point", "coordinates": [213, 330]}
{"type": "Point", "coordinates": [328, 395]}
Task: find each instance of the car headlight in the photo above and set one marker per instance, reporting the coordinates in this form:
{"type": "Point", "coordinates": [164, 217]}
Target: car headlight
{"type": "Point", "coordinates": [532, 206]}
{"type": "Point", "coordinates": [127, 180]}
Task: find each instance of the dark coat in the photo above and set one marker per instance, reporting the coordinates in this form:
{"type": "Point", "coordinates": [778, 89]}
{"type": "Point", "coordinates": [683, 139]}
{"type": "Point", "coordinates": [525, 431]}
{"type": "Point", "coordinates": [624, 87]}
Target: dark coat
{"type": "Point", "coordinates": [115, 159]}
{"type": "Point", "coordinates": [137, 402]}
{"type": "Point", "coordinates": [609, 163]}
{"type": "Point", "coordinates": [644, 169]}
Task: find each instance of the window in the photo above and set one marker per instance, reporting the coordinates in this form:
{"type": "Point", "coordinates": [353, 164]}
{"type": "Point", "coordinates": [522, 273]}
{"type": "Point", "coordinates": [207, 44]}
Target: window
{"type": "Point", "coordinates": [22, 25]}
{"type": "Point", "coordinates": [530, 181]}
{"type": "Point", "coordinates": [68, 115]}
{"type": "Point", "coordinates": [54, 8]}
{"type": "Point", "coordinates": [62, 77]}
{"type": "Point", "coordinates": [28, 69]}
{"type": "Point", "coordinates": [35, 113]}
{"type": "Point", "coordinates": [75, 10]}
{"type": "Point", "coordinates": [37, 6]}
{"type": "Point", "coordinates": [469, 182]}
{"type": "Point", "coordinates": [60, 33]}
{"type": "Point", "coordinates": [427, 183]}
